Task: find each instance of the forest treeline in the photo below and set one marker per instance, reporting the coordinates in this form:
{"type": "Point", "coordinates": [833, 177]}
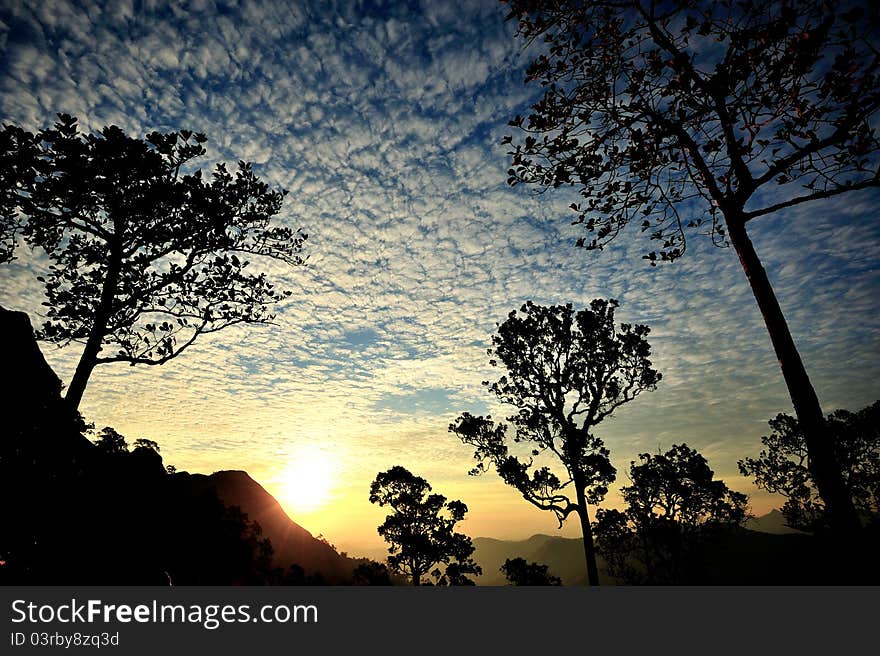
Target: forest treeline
{"type": "Point", "coordinates": [102, 511]}
{"type": "Point", "coordinates": [648, 130]}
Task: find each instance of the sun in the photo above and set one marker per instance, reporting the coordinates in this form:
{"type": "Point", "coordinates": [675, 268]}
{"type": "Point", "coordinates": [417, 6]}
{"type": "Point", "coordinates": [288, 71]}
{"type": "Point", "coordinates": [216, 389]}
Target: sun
{"type": "Point", "coordinates": [308, 480]}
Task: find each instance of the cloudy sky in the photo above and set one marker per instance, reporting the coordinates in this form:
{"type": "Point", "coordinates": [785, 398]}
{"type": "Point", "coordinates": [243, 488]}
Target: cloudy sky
{"type": "Point", "coordinates": [384, 121]}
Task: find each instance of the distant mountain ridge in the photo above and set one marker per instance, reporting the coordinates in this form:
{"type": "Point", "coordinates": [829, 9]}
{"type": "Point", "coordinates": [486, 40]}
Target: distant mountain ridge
{"type": "Point", "coordinates": [293, 544]}
{"type": "Point", "coordinates": [772, 522]}
{"type": "Point", "coordinates": [564, 557]}
{"type": "Point", "coordinates": [765, 551]}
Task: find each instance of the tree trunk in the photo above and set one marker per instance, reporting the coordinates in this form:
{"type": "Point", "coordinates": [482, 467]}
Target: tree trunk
{"type": "Point", "coordinates": [415, 571]}
{"type": "Point", "coordinates": [649, 561]}
{"type": "Point", "coordinates": [103, 312]}
{"type": "Point", "coordinates": [589, 547]}
{"type": "Point", "coordinates": [822, 462]}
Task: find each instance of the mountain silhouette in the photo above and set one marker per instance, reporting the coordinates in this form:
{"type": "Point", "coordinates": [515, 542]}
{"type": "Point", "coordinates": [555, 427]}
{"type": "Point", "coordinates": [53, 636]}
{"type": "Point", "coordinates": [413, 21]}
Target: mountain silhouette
{"type": "Point", "coordinates": [773, 555]}
{"type": "Point", "coordinates": [291, 543]}
{"type": "Point", "coordinates": [155, 526]}
{"type": "Point", "coordinates": [772, 522]}
{"type": "Point", "coordinates": [564, 557]}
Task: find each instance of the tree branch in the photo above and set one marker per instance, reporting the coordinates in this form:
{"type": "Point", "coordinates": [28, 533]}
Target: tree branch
{"type": "Point", "coordinates": [828, 193]}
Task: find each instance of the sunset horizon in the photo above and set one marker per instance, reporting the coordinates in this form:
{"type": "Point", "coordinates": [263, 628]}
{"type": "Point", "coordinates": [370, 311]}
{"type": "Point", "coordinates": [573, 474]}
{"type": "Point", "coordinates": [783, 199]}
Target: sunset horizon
{"type": "Point", "coordinates": [384, 123]}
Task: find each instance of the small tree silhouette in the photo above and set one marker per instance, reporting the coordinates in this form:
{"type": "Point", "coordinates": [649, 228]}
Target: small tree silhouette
{"type": "Point", "coordinates": [782, 467]}
{"type": "Point", "coordinates": [371, 573]}
{"type": "Point", "coordinates": [682, 116]}
{"type": "Point", "coordinates": [421, 539]}
{"type": "Point", "coordinates": [566, 372]}
{"type": "Point", "coordinates": [520, 572]}
{"type": "Point", "coordinates": [147, 253]}
{"type": "Point", "coordinates": [110, 441]}
{"type": "Point", "coordinates": [144, 443]}
{"type": "Point", "coordinates": [673, 505]}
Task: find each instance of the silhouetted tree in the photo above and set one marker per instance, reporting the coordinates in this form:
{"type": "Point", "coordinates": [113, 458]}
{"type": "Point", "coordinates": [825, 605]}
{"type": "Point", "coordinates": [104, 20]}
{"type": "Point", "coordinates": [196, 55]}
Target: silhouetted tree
{"type": "Point", "coordinates": [422, 540]}
{"type": "Point", "coordinates": [782, 468]}
{"type": "Point", "coordinates": [673, 505]}
{"type": "Point", "coordinates": [110, 441]}
{"type": "Point", "coordinates": [520, 572]}
{"type": "Point", "coordinates": [18, 157]}
{"type": "Point", "coordinates": [675, 115]}
{"type": "Point", "coordinates": [371, 573]}
{"type": "Point", "coordinates": [144, 443]}
{"type": "Point", "coordinates": [147, 254]}
{"type": "Point", "coordinates": [566, 372]}
{"type": "Point", "coordinates": [296, 575]}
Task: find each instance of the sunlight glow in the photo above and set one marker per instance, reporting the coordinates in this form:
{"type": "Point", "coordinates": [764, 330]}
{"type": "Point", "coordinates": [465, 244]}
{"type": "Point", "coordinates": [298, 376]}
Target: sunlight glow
{"type": "Point", "coordinates": [307, 481]}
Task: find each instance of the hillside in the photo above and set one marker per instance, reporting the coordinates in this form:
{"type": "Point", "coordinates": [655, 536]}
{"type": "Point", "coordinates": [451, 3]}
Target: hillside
{"type": "Point", "coordinates": [564, 556]}
{"type": "Point", "coordinates": [156, 527]}
{"type": "Point", "coordinates": [291, 543]}
{"type": "Point", "coordinates": [772, 522]}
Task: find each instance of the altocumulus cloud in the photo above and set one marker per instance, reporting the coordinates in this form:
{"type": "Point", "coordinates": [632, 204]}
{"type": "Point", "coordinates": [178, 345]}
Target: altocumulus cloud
{"type": "Point", "coordinates": [383, 120]}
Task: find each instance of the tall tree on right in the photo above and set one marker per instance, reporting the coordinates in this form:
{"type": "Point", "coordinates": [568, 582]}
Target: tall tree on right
{"type": "Point", "coordinates": [781, 467]}
{"type": "Point", "coordinates": [675, 115]}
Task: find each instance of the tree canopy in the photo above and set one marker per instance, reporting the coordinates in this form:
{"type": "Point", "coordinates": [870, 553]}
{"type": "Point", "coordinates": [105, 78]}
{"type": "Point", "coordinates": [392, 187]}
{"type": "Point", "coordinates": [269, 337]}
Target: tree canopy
{"type": "Point", "coordinates": [147, 252]}
{"type": "Point", "coordinates": [420, 531]}
{"type": "Point", "coordinates": [781, 468]}
{"type": "Point", "coordinates": [371, 573]}
{"type": "Point", "coordinates": [671, 114]}
{"type": "Point", "coordinates": [566, 372]}
{"type": "Point", "coordinates": [110, 441]}
{"type": "Point", "coordinates": [701, 116]}
{"type": "Point", "coordinates": [673, 503]}
{"type": "Point", "coordinates": [518, 571]}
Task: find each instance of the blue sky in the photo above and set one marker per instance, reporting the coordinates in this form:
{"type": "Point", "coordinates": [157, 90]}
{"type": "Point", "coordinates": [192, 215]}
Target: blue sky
{"type": "Point", "coordinates": [384, 121]}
